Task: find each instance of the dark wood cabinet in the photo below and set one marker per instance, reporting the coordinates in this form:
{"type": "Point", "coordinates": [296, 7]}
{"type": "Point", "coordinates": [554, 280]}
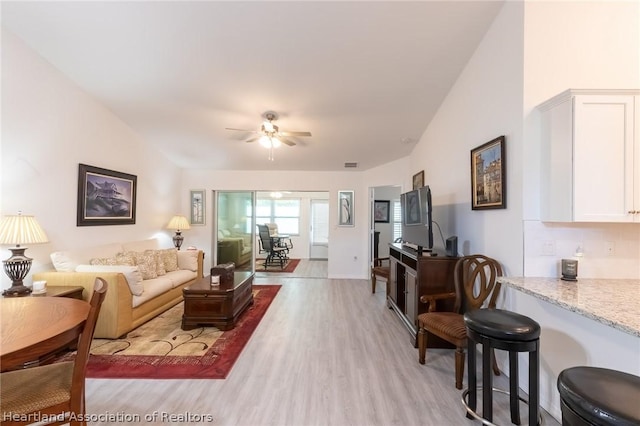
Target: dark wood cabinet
{"type": "Point", "coordinates": [411, 277]}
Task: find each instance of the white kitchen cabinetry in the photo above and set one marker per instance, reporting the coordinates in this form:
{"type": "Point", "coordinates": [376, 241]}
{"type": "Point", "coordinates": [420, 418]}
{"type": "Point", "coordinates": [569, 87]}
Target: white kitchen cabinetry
{"type": "Point", "coordinates": [590, 161]}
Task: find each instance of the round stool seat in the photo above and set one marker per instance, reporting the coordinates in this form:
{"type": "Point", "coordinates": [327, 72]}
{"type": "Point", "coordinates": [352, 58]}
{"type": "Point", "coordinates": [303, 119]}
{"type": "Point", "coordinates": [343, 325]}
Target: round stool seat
{"type": "Point", "coordinates": [601, 396]}
{"type": "Point", "coordinates": [502, 325]}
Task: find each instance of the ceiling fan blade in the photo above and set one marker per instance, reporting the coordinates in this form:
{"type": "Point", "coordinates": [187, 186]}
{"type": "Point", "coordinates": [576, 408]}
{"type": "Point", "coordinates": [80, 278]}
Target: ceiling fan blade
{"type": "Point", "coordinates": [240, 130]}
{"type": "Point", "coordinates": [251, 140]}
{"type": "Point", "coordinates": [287, 142]}
{"type": "Point", "coordinates": [295, 133]}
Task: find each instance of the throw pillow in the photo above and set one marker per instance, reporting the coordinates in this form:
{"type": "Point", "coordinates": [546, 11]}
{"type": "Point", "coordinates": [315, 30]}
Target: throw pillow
{"type": "Point", "coordinates": [146, 262]}
{"type": "Point", "coordinates": [126, 258]}
{"type": "Point", "coordinates": [170, 259]}
{"type": "Point", "coordinates": [160, 268]}
{"type": "Point", "coordinates": [188, 259]}
{"type": "Point", "coordinates": [103, 261]}
{"type": "Point", "coordinates": [131, 274]}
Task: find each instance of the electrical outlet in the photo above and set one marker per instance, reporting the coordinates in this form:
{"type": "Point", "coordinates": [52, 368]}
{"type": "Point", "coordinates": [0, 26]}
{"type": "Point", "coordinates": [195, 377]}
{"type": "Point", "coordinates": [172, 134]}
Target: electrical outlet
{"type": "Point", "coordinates": [610, 248]}
{"type": "Point", "coordinates": [548, 248]}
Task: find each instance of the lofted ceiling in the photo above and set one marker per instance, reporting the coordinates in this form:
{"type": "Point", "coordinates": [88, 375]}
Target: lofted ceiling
{"type": "Point", "coordinates": [365, 78]}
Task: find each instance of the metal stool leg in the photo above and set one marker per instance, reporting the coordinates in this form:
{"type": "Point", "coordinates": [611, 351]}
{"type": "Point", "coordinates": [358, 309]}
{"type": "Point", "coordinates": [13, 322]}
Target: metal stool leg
{"type": "Point", "coordinates": [487, 382]}
{"type": "Point", "coordinates": [534, 386]}
{"type": "Point", "coordinates": [513, 388]}
{"type": "Point", "coordinates": [471, 376]}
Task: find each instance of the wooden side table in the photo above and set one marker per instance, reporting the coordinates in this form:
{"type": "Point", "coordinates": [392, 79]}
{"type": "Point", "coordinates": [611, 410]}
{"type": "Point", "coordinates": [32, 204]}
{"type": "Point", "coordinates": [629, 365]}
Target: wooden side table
{"type": "Point", "coordinates": [72, 292]}
{"type": "Point", "coordinates": [217, 306]}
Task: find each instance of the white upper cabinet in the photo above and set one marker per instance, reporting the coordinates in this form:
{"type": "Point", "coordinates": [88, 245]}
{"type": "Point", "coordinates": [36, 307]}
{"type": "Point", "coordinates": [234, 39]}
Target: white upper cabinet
{"type": "Point", "coordinates": [590, 162]}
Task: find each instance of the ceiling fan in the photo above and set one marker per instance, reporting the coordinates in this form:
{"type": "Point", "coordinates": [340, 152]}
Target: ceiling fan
{"type": "Point", "coordinates": [270, 135]}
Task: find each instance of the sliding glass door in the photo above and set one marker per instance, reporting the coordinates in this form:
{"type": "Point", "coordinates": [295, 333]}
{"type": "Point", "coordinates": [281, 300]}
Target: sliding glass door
{"type": "Point", "coordinates": [235, 228]}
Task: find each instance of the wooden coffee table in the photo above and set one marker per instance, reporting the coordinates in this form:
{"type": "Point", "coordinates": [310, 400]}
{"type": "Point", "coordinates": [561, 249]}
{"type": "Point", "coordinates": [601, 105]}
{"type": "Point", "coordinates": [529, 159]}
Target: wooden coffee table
{"type": "Point", "coordinates": [217, 306]}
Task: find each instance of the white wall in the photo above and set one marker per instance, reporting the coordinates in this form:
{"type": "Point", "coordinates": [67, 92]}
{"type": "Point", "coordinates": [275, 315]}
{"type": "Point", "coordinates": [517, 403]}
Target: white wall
{"type": "Point", "coordinates": [485, 102]}
{"type": "Point", "coordinates": [49, 126]}
{"type": "Point", "coordinates": [348, 248]}
{"type": "Point", "coordinates": [578, 45]}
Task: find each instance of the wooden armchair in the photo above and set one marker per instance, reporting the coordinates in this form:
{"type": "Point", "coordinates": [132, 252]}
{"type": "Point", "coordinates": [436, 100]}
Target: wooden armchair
{"type": "Point", "coordinates": [380, 269]}
{"type": "Point", "coordinates": [471, 272]}
{"type": "Point", "coordinates": [52, 389]}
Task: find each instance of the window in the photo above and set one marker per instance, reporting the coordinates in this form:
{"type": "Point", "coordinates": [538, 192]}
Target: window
{"type": "Point", "coordinates": [397, 220]}
{"type": "Point", "coordinates": [283, 212]}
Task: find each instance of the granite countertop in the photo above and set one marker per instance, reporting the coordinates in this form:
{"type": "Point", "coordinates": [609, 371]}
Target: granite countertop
{"type": "Point", "coordinates": [613, 302]}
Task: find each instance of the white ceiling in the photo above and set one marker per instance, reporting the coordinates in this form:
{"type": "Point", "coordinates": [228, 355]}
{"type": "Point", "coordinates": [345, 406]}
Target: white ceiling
{"type": "Point", "coordinates": [363, 77]}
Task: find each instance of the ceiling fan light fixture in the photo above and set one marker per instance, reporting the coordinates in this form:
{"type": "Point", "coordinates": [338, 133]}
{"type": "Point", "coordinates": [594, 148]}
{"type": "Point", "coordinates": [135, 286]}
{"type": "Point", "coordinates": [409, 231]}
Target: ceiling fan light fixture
{"type": "Point", "coordinates": [275, 142]}
{"type": "Point", "coordinates": [265, 142]}
{"type": "Point", "coordinates": [268, 127]}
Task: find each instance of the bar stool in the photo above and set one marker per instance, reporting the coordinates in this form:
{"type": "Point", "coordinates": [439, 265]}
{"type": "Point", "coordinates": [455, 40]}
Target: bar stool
{"type": "Point", "coordinates": [512, 332]}
{"type": "Point", "coordinates": [599, 396]}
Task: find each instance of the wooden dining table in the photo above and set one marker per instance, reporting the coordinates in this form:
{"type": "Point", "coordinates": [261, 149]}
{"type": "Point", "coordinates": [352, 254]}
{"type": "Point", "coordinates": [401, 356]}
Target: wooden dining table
{"type": "Point", "coordinates": [33, 327]}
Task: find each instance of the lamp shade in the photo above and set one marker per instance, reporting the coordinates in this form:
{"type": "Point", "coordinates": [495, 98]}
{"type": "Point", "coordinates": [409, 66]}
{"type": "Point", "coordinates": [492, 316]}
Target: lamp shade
{"type": "Point", "coordinates": [21, 229]}
{"type": "Point", "coordinates": [178, 223]}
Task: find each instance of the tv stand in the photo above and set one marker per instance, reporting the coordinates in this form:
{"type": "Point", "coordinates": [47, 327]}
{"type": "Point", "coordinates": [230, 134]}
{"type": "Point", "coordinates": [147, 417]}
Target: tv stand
{"type": "Point", "coordinates": [413, 275]}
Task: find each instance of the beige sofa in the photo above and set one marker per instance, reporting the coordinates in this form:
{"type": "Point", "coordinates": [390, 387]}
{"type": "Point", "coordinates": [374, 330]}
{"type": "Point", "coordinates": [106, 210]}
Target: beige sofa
{"type": "Point", "coordinates": [136, 292]}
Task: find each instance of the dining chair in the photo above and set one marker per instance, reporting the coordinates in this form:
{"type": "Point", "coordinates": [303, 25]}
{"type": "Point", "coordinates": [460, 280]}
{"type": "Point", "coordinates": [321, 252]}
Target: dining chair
{"type": "Point", "coordinates": [275, 255]}
{"type": "Point", "coordinates": [381, 268]}
{"type": "Point", "coordinates": [56, 391]}
{"type": "Point", "coordinates": [475, 279]}
{"type": "Point", "coordinates": [280, 240]}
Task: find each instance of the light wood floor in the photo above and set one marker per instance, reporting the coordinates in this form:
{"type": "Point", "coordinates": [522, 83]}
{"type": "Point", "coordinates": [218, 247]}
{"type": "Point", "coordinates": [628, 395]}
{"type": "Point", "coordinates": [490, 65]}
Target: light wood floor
{"type": "Point", "coordinates": [305, 269]}
{"type": "Point", "coordinates": [327, 352]}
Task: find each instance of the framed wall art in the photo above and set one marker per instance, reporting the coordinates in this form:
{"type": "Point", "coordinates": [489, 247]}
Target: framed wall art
{"type": "Point", "coordinates": [105, 197]}
{"type": "Point", "coordinates": [488, 175]}
{"type": "Point", "coordinates": [197, 206]}
{"type": "Point", "coordinates": [345, 208]}
{"type": "Point", "coordinates": [418, 180]}
{"type": "Point", "coordinates": [381, 211]}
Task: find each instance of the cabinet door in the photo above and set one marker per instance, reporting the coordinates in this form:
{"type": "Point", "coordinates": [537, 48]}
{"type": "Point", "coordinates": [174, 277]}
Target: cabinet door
{"type": "Point", "coordinates": [393, 284]}
{"type": "Point", "coordinates": [603, 158]}
{"type": "Point", "coordinates": [411, 291]}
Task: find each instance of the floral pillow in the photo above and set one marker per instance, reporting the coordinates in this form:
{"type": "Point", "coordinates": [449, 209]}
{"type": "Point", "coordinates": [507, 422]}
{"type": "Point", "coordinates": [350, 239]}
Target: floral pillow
{"type": "Point", "coordinates": [170, 259]}
{"type": "Point", "coordinates": [160, 267]}
{"type": "Point", "coordinates": [111, 261]}
{"type": "Point", "coordinates": [146, 262]}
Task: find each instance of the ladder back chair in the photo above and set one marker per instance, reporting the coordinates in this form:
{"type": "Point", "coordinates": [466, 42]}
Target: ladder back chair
{"type": "Point", "coordinates": [476, 283]}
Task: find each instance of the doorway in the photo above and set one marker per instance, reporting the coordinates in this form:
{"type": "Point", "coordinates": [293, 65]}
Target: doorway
{"type": "Point", "coordinates": [385, 232]}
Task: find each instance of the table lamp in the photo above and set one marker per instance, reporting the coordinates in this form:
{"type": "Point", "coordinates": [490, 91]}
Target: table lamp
{"type": "Point", "coordinates": [178, 223]}
{"type": "Point", "coordinates": [19, 229]}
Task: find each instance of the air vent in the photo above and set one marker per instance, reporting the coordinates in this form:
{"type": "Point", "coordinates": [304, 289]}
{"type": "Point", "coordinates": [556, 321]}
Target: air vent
{"type": "Point", "coordinates": [351, 165]}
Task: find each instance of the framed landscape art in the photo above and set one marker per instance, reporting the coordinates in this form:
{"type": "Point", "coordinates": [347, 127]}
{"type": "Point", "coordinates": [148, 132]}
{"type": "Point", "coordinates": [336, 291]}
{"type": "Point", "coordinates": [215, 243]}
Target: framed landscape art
{"type": "Point", "coordinates": [488, 175]}
{"type": "Point", "coordinates": [105, 197]}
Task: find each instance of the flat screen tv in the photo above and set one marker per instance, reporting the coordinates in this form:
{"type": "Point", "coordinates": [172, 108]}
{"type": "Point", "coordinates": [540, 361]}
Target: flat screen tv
{"type": "Point", "coordinates": [416, 218]}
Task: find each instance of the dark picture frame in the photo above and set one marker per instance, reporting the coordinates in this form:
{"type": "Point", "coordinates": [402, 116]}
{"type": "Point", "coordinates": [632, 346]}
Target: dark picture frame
{"type": "Point", "coordinates": [488, 175]}
{"type": "Point", "coordinates": [105, 197]}
{"type": "Point", "coordinates": [418, 180]}
{"type": "Point", "coordinates": [381, 211]}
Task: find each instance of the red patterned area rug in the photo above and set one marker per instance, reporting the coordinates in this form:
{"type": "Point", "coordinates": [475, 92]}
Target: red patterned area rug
{"type": "Point", "coordinates": [290, 266]}
{"type": "Point", "coordinates": [160, 349]}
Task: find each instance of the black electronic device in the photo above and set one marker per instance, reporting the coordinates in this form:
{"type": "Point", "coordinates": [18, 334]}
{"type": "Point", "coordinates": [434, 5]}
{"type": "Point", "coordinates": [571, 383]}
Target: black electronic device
{"type": "Point", "coordinates": [452, 246]}
{"type": "Point", "coordinates": [416, 218]}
